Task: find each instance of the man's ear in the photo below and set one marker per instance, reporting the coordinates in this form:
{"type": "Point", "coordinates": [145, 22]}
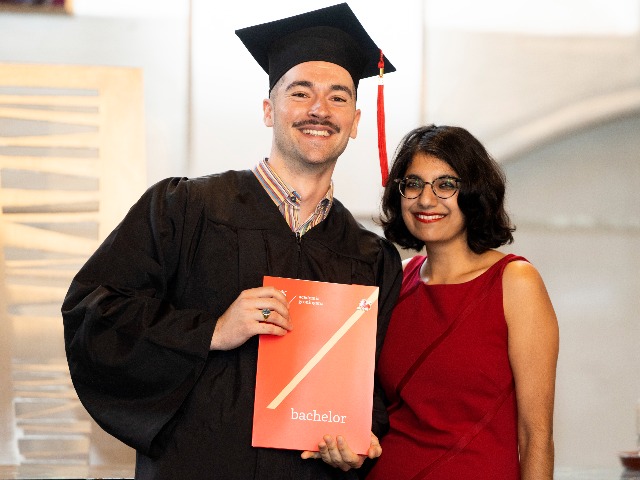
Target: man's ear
{"type": "Point", "coordinates": [267, 109]}
{"type": "Point", "coordinates": [354, 127]}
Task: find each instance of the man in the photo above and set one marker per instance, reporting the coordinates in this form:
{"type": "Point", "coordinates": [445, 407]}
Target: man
{"type": "Point", "coordinates": [162, 323]}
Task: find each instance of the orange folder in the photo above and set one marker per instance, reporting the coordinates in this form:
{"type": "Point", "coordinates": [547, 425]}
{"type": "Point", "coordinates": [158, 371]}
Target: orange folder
{"type": "Point", "coordinates": [318, 378]}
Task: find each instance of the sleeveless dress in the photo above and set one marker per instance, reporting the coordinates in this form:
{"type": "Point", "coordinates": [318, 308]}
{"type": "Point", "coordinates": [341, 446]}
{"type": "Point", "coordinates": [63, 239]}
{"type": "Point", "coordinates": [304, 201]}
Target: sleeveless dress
{"type": "Point", "coordinates": [445, 370]}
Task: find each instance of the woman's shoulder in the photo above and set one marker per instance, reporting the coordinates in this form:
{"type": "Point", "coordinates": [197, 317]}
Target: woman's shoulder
{"type": "Point", "coordinates": [520, 276]}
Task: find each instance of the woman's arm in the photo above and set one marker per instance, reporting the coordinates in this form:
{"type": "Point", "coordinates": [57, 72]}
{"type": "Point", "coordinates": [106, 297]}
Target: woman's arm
{"type": "Point", "coordinates": [533, 353]}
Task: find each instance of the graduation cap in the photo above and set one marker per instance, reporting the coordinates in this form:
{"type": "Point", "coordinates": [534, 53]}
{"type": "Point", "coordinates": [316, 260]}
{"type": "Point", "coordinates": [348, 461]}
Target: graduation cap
{"type": "Point", "coordinates": [332, 34]}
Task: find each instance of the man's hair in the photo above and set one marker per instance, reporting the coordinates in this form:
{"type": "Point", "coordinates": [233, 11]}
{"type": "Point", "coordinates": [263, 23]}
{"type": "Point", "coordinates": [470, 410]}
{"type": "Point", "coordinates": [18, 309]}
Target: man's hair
{"type": "Point", "coordinates": [481, 194]}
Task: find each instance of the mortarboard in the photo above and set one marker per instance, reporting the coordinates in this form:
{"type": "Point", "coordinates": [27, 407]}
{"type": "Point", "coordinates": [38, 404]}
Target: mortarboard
{"type": "Point", "coordinates": [332, 34]}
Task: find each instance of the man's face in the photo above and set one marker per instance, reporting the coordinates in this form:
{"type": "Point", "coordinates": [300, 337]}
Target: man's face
{"type": "Point", "coordinates": [313, 113]}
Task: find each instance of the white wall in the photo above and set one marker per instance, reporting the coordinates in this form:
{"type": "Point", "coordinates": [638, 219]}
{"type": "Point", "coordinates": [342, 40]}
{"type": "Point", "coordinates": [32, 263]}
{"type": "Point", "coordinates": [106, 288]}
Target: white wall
{"type": "Point", "coordinates": [576, 205]}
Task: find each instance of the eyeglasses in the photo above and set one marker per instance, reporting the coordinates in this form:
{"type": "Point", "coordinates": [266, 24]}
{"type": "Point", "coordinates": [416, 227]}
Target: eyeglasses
{"type": "Point", "coordinates": [443, 187]}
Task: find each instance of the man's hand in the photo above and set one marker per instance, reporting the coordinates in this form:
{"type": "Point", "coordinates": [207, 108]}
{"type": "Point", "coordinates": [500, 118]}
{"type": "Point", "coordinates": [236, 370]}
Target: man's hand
{"type": "Point", "coordinates": [338, 454]}
{"type": "Point", "coordinates": [244, 318]}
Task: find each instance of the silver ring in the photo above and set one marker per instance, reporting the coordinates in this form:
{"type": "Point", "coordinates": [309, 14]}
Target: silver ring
{"type": "Point", "coordinates": [265, 313]}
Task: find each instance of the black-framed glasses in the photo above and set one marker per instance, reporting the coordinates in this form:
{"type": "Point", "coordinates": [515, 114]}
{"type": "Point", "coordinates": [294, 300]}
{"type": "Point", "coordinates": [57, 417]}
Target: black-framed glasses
{"type": "Point", "coordinates": [443, 187]}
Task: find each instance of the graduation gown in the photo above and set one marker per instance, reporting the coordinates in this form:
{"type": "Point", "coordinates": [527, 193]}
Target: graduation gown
{"type": "Point", "coordinates": [139, 316]}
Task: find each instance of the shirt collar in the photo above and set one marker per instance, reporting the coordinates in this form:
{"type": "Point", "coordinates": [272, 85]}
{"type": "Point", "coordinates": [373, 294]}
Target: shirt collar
{"type": "Point", "coordinates": [280, 192]}
{"type": "Point", "coordinates": [287, 199]}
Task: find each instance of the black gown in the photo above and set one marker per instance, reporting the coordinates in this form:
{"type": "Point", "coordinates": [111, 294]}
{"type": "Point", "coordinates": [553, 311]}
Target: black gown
{"type": "Point", "coordinates": [139, 316]}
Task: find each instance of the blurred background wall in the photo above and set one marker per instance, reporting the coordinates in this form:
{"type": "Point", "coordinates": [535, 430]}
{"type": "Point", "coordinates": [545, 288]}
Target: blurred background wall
{"type": "Point", "coordinates": [552, 88]}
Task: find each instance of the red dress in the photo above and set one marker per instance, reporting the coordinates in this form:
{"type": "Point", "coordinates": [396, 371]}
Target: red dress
{"type": "Point", "coordinates": [446, 373]}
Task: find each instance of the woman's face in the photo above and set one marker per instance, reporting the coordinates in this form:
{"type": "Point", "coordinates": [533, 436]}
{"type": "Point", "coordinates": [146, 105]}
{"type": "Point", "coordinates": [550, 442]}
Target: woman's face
{"type": "Point", "coordinates": [429, 218]}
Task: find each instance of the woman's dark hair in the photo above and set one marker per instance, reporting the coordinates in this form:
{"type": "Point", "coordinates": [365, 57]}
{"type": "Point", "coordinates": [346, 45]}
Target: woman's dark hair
{"type": "Point", "coordinates": [481, 194]}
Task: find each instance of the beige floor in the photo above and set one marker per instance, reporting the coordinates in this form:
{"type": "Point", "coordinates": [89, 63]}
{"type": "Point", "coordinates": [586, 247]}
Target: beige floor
{"type": "Point", "coordinates": [63, 472]}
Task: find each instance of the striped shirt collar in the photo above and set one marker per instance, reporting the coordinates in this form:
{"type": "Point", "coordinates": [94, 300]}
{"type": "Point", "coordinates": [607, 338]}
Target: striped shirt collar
{"type": "Point", "coordinates": [288, 201]}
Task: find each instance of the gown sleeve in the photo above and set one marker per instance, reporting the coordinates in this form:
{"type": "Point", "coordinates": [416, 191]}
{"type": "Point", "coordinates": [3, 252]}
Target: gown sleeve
{"type": "Point", "coordinates": [133, 355]}
{"type": "Point", "coordinates": [390, 273]}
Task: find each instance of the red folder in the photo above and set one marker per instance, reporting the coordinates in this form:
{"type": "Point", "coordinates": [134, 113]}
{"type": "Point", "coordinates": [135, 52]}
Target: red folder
{"type": "Point", "coordinates": [318, 378]}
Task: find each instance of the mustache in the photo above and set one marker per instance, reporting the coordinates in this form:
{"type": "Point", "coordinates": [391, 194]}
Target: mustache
{"type": "Point", "coordinates": [325, 123]}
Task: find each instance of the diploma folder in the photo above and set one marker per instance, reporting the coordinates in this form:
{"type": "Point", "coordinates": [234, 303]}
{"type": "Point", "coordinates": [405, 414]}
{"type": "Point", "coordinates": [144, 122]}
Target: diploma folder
{"type": "Point", "coordinates": [318, 378]}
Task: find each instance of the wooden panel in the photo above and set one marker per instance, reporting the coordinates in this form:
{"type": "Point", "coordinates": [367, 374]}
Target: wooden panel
{"type": "Point", "coordinates": [37, 6]}
{"type": "Point", "coordinates": [72, 162]}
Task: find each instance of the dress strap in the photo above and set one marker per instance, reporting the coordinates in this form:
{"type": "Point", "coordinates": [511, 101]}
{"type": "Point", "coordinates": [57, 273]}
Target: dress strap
{"type": "Point", "coordinates": [508, 258]}
{"type": "Point", "coordinates": [411, 276]}
{"type": "Point", "coordinates": [414, 264]}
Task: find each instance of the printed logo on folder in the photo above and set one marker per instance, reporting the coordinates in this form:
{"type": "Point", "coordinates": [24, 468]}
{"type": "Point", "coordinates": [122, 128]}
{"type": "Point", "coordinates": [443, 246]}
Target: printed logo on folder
{"type": "Point", "coordinates": [318, 378]}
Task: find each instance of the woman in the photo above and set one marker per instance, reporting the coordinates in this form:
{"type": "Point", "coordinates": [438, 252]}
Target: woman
{"type": "Point", "coordinates": [468, 364]}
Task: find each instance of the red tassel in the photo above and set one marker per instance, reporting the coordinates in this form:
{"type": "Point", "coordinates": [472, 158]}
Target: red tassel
{"type": "Point", "coordinates": [382, 138]}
